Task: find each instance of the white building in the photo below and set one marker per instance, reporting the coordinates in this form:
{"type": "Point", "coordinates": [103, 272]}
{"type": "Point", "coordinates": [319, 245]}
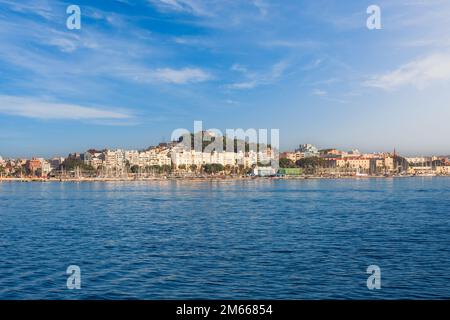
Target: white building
{"type": "Point", "coordinates": [114, 158]}
{"type": "Point", "coordinates": [153, 157]}
{"type": "Point", "coordinates": [419, 161]}
{"type": "Point", "coordinates": [132, 157]}
{"type": "Point", "coordinates": [308, 150]}
{"type": "Point", "coordinates": [46, 168]}
{"type": "Point", "coordinates": [264, 171]}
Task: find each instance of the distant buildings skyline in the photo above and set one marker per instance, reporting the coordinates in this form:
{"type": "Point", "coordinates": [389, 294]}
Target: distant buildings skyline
{"type": "Point", "coordinates": [177, 158]}
{"type": "Point", "coordinates": [302, 147]}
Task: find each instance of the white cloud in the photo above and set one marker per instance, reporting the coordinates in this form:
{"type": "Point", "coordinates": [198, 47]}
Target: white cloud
{"type": "Point", "coordinates": [144, 75]}
{"type": "Point", "coordinates": [239, 68]}
{"type": "Point", "coordinates": [419, 73]}
{"type": "Point", "coordinates": [181, 76]}
{"type": "Point", "coordinates": [313, 65]}
{"type": "Point", "coordinates": [189, 6]}
{"type": "Point", "coordinates": [195, 41]}
{"type": "Point", "coordinates": [429, 42]}
{"type": "Point", "coordinates": [261, 6]}
{"type": "Point", "coordinates": [292, 44]}
{"type": "Point", "coordinates": [230, 101]}
{"type": "Point", "coordinates": [244, 85]}
{"type": "Point", "coordinates": [319, 92]}
{"type": "Point", "coordinates": [42, 109]}
{"type": "Point", "coordinates": [277, 70]}
{"type": "Point", "coordinates": [41, 8]}
{"type": "Point", "coordinates": [255, 79]}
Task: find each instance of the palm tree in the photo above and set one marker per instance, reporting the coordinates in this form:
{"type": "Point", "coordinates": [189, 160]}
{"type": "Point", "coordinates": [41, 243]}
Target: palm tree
{"type": "Point", "coordinates": [193, 168]}
{"type": "Point", "coordinates": [228, 168]}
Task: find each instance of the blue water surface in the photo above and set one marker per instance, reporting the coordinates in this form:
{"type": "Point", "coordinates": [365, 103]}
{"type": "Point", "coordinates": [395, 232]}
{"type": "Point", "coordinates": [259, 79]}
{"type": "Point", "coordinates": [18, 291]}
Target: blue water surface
{"type": "Point", "coordinates": [259, 239]}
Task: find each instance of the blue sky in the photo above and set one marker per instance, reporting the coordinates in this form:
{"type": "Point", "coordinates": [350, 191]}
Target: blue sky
{"type": "Point", "coordinates": [138, 69]}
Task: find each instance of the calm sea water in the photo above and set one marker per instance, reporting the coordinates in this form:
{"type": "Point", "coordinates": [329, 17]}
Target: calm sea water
{"type": "Point", "coordinates": [261, 239]}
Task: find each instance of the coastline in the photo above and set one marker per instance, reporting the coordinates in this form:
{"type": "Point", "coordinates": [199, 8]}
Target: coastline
{"type": "Point", "coordinates": [203, 179]}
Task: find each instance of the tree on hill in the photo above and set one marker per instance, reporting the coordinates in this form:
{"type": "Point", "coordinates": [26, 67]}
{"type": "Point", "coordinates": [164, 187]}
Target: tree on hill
{"type": "Point", "coordinates": [70, 164]}
{"type": "Point", "coordinates": [286, 163]}
{"type": "Point", "coordinates": [311, 164]}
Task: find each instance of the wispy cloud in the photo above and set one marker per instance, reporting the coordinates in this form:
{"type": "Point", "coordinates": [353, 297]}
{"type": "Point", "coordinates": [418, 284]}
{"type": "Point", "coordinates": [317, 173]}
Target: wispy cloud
{"type": "Point", "coordinates": [319, 92]}
{"type": "Point", "coordinates": [312, 65]}
{"type": "Point", "coordinates": [261, 6]}
{"type": "Point", "coordinates": [144, 75]}
{"type": "Point", "coordinates": [418, 73]}
{"type": "Point", "coordinates": [127, 56]}
{"type": "Point", "coordinates": [255, 79]}
{"type": "Point", "coordinates": [42, 109]}
{"type": "Point", "coordinates": [230, 101]}
{"type": "Point", "coordinates": [429, 42]}
{"type": "Point", "coordinates": [291, 44]}
{"type": "Point", "coordinates": [40, 8]}
{"type": "Point", "coordinates": [181, 76]}
{"type": "Point", "coordinates": [187, 6]}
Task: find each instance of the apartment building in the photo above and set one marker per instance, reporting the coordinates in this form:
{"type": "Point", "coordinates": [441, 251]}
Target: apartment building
{"type": "Point", "coordinates": [32, 166]}
{"type": "Point", "coordinates": [114, 158]}
{"type": "Point", "coordinates": [353, 163]}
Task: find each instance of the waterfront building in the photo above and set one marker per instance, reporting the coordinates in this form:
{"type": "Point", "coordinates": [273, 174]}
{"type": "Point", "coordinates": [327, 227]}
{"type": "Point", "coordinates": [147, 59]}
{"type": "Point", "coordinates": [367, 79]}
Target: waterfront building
{"type": "Point", "coordinates": [444, 170]}
{"type": "Point", "coordinates": [251, 159]}
{"type": "Point", "coordinates": [353, 153]}
{"type": "Point", "coordinates": [293, 156]}
{"type": "Point", "coordinates": [75, 156]}
{"type": "Point", "coordinates": [265, 156]}
{"type": "Point", "coordinates": [156, 156]}
{"type": "Point", "coordinates": [45, 166]}
{"type": "Point", "coordinates": [132, 157]}
{"type": "Point", "coordinates": [308, 150]}
{"type": "Point", "coordinates": [423, 170]}
{"type": "Point", "coordinates": [389, 163]}
{"type": "Point", "coordinates": [93, 159]}
{"type": "Point", "coordinates": [145, 158]}
{"type": "Point", "coordinates": [163, 157]}
{"type": "Point", "coordinates": [10, 167]}
{"type": "Point", "coordinates": [55, 163]}
{"type": "Point", "coordinates": [32, 166]}
{"type": "Point", "coordinates": [382, 165]}
{"type": "Point", "coordinates": [353, 163]}
{"type": "Point", "coordinates": [330, 153]}
{"type": "Point", "coordinates": [419, 161]}
{"type": "Point", "coordinates": [181, 157]}
{"type": "Point", "coordinates": [114, 159]}
{"type": "Point", "coordinates": [223, 158]}
{"type": "Point", "coordinates": [264, 171]}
